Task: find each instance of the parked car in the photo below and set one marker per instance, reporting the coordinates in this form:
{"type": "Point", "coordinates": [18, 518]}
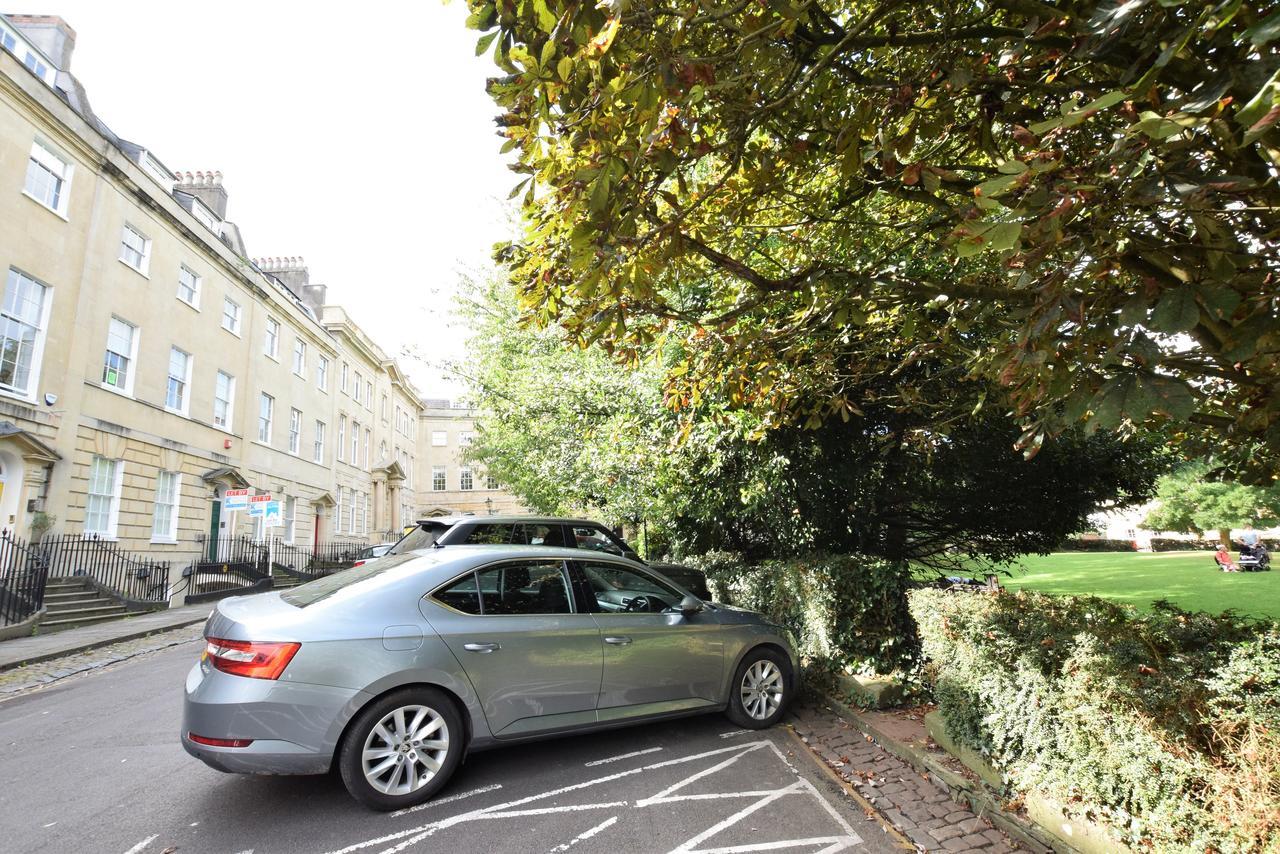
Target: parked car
{"type": "Point", "coordinates": [372, 553]}
{"type": "Point", "coordinates": [539, 531]}
{"type": "Point", "coordinates": [393, 672]}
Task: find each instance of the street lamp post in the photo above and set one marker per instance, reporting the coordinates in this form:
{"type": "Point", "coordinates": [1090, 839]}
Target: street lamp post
{"type": "Point", "coordinates": [488, 505]}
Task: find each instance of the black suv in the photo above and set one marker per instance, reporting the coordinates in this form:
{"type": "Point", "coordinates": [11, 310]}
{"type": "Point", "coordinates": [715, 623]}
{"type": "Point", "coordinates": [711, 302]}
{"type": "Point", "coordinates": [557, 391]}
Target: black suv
{"type": "Point", "coordinates": [538, 531]}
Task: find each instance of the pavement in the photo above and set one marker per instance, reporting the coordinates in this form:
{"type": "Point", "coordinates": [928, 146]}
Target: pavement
{"type": "Point", "coordinates": [90, 761]}
{"type": "Point", "coordinates": [27, 650]}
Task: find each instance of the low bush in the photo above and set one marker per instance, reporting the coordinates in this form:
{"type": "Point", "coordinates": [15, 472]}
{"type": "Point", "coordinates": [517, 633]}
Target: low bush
{"type": "Point", "coordinates": [1164, 724]}
{"type": "Point", "coordinates": [1083, 545]}
{"type": "Point", "coordinates": [1166, 544]}
{"type": "Point", "coordinates": [844, 611]}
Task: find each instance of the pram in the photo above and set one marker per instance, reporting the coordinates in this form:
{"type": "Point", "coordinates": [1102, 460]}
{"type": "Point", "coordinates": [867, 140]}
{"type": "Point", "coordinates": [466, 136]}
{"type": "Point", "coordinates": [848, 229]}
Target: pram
{"type": "Point", "coordinates": [1255, 558]}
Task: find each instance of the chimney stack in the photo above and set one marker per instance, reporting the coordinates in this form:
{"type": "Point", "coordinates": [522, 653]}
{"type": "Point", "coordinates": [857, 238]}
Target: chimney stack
{"type": "Point", "coordinates": [293, 274]}
{"type": "Point", "coordinates": [49, 33]}
{"type": "Point", "coordinates": [205, 185]}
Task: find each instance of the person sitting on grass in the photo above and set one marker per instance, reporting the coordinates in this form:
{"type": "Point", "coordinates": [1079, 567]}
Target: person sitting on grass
{"type": "Point", "coordinates": [1223, 558]}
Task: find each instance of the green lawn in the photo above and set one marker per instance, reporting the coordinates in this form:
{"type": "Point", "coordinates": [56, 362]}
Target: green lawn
{"type": "Point", "coordinates": [1188, 579]}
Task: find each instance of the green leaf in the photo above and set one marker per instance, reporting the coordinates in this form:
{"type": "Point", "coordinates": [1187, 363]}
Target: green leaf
{"type": "Point", "coordinates": [1108, 100]}
{"type": "Point", "coordinates": [599, 193]}
{"type": "Point", "coordinates": [548, 53]}
{"type": "Point", "coordinates": [484, 41]}
{"type": "Point", "coordinates": [996, 186]}
{"type": "Point", "coordinates": [1221, 302]}
{"type": "Point", "coordinates": [546, 20]}
{"type": "Point", "coordinates": [1176, 311]}
{"type": "Point", "coordinates": [1265, 31]}
{"type": "Point", "coordinates": [1171, 396]}
{"type": "Point", "coordinates": [564, 68]}
{"type": "Point", "coordinates": [1134, 311]}
{"type": "Point", "coordinates": [1004, 235]}
{"type": "Point", "coordinates": [1157, 127]}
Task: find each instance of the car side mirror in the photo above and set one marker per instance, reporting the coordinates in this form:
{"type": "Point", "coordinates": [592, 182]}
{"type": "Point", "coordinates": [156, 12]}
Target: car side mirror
{"type": "Point", "coordinates": [690, 605]}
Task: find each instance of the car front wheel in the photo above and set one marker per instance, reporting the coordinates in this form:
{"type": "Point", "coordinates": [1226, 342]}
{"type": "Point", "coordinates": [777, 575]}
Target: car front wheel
{"type": "Point", "coordinates": [761, 689]}
{"type": "Point", "coordinates": [402, 749]}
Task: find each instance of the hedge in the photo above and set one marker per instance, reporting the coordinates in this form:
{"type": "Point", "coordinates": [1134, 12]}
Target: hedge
{"type": "Point", "coordinates": [1166, 544]}
{"type": "Point", "coordinates": [1082, 545]}
{"type": "Point", "coordinates": [845, 612]}
{"type": "Point", "coordinates": [1165, 725]}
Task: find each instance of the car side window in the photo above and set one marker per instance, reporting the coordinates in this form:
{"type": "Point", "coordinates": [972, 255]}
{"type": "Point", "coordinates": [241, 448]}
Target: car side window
{"type": "Point", "coordinates": [594, 539]}
{"type": "Point", "coordinates": [620, 588]}
{"type": "Point", "coordinates": [524, 587]}
{"type": "Point", "coordinates": [488, 535]}
{"type": "Point", "coordinates": [462, 595]}
{"type": "Point", "coordinates": [538, 534]}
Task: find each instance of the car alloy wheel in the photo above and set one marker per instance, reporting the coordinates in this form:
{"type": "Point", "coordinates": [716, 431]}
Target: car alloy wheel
{"type": "Point", "coordinates": [402, 748]}
{"type": "Point", "coordinates": [405, 750]}
{"type": "Point", "coordinates": [762, 687]}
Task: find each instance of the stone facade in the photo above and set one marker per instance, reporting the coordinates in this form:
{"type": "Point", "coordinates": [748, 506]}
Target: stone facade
{"type": "Point", "coordinates": [444, 431]}
{"type": "Point", "coordinates": [147, 364]}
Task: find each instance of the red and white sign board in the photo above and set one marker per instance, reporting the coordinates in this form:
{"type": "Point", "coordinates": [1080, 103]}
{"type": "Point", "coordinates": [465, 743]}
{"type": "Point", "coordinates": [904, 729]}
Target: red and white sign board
{"type": "Point", "coordinates": [235, 499]}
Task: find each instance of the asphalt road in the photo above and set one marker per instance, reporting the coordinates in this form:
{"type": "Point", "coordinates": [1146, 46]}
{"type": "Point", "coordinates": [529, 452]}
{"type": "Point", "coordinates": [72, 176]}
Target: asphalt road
{"type": "Point", "coordinates": [93, 764]}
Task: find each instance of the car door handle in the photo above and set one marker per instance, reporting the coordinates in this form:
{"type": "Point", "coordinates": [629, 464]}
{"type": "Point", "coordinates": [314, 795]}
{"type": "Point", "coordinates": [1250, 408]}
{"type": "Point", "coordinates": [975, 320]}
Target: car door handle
{"type": "Point", "coordinates": [618, 641]}
{"type": "Point", "coordinates": [481, 647]}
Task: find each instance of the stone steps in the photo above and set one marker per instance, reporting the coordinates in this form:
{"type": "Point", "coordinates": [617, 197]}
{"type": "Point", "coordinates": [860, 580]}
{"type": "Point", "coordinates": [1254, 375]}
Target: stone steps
{"type": "Point", "coordinates": [72, 602]}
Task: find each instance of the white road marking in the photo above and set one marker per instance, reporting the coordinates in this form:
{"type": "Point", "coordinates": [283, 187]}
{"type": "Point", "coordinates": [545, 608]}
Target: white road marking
{"type": "Point", "coordinates": [408, 838]}
{"type": "Point", "coordinates": [584, 836]}
{"type": "Point", "coordinates": [143, 844]}
{"type": "Point", "coordinates": [51, 824]}
{"type": "Point", "coordinates": [732, 733]}
{"type": "Point", "coordinates": [447, 800]}
{"type": "Point", "coordinates": [620, 758]}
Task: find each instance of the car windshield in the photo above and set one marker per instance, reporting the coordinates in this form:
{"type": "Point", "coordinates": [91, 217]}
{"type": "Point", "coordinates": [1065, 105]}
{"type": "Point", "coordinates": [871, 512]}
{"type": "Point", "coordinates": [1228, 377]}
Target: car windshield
{"type": "Point", "coordinates": [421, 537]}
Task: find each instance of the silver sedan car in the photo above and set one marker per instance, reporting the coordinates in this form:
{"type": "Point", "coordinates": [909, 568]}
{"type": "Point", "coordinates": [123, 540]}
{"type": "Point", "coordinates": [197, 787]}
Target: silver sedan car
{"type": "Point", "coordinates": [392, 672]}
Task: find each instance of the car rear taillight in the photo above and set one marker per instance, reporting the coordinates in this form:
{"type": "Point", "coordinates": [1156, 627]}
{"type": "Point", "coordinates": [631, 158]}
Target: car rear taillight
{"type": "Point", "coordinates": [220, 742]}
{"type": "Point", "coordinates": [250, 658]}
{"type": "Point", "coordinates": [359, 563]}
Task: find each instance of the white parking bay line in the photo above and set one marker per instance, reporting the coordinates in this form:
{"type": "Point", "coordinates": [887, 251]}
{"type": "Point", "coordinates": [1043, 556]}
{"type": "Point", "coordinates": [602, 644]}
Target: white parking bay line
{"type": "Point", "coordinates": [732, 733]}
{"type": "Point", "coordinates": [623, 756]}
{"type": "Point", "coordinates": [584, 836]}
{"type": "Point", "coordinates": [143, 844]}
{"type": "Point", "coordinates": [448, 800]}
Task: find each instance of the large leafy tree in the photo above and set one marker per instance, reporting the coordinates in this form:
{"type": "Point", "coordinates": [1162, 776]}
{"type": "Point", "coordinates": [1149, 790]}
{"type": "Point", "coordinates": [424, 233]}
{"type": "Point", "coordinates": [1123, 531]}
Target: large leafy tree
{"type": "Point", "coordinates": [1191, 500]}
{"type": "Point", "coordinates": [793, 190]}
{"type": "Point", "coordinates": [571, 431]}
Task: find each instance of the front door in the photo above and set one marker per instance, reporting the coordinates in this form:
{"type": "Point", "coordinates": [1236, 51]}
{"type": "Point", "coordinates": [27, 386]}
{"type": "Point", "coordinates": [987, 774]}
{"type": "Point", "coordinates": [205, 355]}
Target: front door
{"type": "Point", "coordinates": [215, 529]}
{"type": "Point", "coordinates": [534, 663]}
{"type": "Point", "coordinates": [655, 660]}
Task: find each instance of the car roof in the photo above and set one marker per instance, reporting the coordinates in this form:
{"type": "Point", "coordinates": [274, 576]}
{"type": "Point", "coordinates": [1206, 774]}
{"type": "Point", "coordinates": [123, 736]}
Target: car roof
{"type": "Point", "coordinates": [499, 551]}
{"type": "Point", "coordinates": [449, 521]}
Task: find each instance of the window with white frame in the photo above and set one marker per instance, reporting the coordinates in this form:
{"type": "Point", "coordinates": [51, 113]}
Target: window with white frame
{"type": "Point", "coordinates": [357, 387]}
{"type": "Point", "coordinates": [337, 521]}
{"type": "Point", "coordinates": [365, 526]}
{"type": "Point", "coordinates": [464, 438]}
{"type": "Point", "coordinates": [266, 412]}
{"type": "Point", "coordinates": [438, 479]}
{"type": "Point", "coordinates": [439, 439]}
{"type": "Point", "coordinates": [300, 357]}
{"type": "Point", "coordinates": [24, 315]}
{"type": "Point", "coordinates": [368, 440]}
{"type": "Point", "coordinates": [355, 443]}
{"type": "Point", "coordinates": [102, 503]}
{"type": "Point", "coordinates": [318, 451]}
{"type": "Point", "coordinates": [465, 481]}
{"type": "Point", "coordinates": [231, 315]}
{"type": "Point", "coordinates": [342, 437]}
{"type": "Point", "coordinates": [224, 396]}
{"type": "Point", "coordinates": [490, 482]}
{"type": "Point", "coordinates": [122, 350]}
{"type": "Point", "coordinates": [295, 431]}
{"type": "Point", "coordinates": [188, 286]}
{"type": "Point", "coordinates": [176, 398]}
{"type": "Point", "coordinates": [290, 517]}
{"type": "Point", "coordinates": [342, 377]}
{"type": "Point", "coordinates": [271, 343]}
{"type": "Point", "coordinates": [322, 373]}
{"type": "Point", "coordinates": [135, 249]}
{"type": "Point", "coordinates": [48, 179]}
{"type": "Point", "coordinates": [164, 521]}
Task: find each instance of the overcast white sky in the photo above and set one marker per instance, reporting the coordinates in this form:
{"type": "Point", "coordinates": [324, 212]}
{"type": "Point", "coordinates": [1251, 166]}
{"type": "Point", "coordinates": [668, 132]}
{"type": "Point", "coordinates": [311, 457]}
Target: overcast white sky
{"type": "Point", "coordinates": [362, 141]}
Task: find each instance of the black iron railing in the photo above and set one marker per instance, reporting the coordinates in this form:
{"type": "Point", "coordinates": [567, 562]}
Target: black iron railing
{"type": "Point", "coordinates": [307, 562]}
{"type": "Point", "coordinates": [128, 575]}
{"type": "Point", "coordinates": [24, 573]}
